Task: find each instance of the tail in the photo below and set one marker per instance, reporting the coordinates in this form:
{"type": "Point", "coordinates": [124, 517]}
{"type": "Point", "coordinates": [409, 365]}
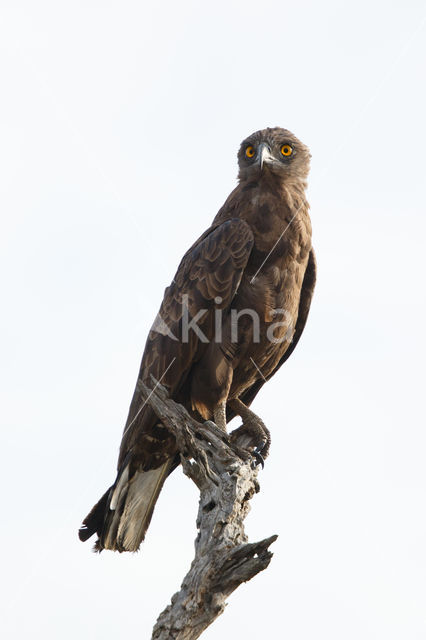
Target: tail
{"type": "Point", "coordinates": [122, 516]}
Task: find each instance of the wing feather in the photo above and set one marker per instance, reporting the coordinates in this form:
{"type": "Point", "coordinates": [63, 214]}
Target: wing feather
{"type": "Point", "coordinates": [212, 268]}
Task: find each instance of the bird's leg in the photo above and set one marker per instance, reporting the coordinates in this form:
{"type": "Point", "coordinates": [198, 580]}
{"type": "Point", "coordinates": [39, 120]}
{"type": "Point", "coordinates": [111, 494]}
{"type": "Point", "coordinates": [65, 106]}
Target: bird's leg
{"type": "Point", "coordinates": [219, 414]}
{"type": "Point", "coordinates": [252, 433]}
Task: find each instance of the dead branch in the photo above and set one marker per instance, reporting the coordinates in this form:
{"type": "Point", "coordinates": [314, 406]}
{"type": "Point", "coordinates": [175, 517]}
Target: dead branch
{"type": "Point", "coordinates": [227, 479]}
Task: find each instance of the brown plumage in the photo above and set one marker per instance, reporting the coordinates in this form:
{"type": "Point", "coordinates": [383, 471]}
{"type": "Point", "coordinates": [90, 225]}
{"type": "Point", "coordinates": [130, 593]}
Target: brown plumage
{"type": "Point", "coordinates": [248, 282]}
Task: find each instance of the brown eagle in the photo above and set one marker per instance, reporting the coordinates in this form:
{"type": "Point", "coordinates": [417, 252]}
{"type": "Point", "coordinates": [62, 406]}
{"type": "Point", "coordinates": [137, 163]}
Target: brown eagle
{"type": "Point", "coordinates": [231, 317]}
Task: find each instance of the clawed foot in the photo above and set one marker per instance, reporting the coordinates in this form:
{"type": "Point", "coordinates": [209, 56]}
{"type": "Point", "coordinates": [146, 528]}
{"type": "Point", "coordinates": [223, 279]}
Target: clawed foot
{"type": "Point", "coordinates": [254, 437]}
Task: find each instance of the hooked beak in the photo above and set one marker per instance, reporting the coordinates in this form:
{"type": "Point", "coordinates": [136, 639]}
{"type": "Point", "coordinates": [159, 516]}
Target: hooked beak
{"type": "Point", "coordinates": [264, 154]}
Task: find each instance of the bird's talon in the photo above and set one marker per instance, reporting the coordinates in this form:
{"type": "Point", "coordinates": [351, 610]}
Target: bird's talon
{"type": "Point", "coordinates": [258, 458]}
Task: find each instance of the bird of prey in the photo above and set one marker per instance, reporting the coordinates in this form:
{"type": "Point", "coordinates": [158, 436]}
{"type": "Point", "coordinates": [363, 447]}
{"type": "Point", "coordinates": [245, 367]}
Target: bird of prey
{"type": "Point", "coordinates": [231, 317]}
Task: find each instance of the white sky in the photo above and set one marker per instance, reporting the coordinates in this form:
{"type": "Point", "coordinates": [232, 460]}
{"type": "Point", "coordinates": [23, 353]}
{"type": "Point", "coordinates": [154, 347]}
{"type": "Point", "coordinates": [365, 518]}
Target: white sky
{"type": "Point", "coordinates": [119, 127]}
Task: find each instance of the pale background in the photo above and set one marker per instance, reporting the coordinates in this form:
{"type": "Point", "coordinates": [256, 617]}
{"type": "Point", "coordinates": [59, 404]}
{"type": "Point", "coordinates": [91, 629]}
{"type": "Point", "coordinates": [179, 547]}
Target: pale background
{"type": "Point", "coordinates": [119, 127]}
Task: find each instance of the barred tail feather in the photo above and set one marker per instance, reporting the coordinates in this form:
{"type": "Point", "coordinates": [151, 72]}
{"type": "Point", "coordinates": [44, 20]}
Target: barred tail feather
{"type": "Point", "coordinates": [122, 516]}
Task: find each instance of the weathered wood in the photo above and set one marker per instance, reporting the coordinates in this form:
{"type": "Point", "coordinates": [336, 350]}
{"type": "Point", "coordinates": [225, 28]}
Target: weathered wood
{"type": "Point", "coordinates": [226, 478]}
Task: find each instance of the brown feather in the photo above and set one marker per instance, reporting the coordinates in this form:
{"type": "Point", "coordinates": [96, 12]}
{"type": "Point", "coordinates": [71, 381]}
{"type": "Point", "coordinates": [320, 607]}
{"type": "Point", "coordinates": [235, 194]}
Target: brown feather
{"type": "Point", "coordinates": [257, 255]}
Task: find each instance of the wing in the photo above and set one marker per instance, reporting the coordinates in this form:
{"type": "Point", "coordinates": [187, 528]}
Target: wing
{"type": "Point", "coordinates": [306, 294]}
{"type": "Point", "coordinates": [207, 278]}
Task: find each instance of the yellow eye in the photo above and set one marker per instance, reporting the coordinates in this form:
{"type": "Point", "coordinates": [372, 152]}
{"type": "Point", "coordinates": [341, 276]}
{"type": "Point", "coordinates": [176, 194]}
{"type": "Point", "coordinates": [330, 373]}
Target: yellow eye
{"type": "Point", "coordinates": [250, 151]}
{"type": "Point", "coordinates": [286, 150]}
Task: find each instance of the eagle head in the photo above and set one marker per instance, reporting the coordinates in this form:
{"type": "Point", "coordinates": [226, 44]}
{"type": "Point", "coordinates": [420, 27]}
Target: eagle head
{"type": "Point", "coordinates": [273, 151]}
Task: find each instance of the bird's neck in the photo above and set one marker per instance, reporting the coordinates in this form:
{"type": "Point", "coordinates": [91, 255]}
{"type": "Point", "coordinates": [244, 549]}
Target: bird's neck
{"type": "Point", "coordinates": [289, 191]}
{"type": "Point", "coordinates": [267, 204]}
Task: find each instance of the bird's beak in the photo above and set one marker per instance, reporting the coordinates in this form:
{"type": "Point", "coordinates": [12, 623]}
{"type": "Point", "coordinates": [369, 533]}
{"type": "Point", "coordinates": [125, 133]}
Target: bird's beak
{"type": "Point", "coordinates": [264, 154]}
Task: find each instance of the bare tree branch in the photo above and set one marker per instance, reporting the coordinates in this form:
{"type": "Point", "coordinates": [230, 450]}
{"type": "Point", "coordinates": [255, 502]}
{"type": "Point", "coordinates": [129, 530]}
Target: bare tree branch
{"type": "Point", "coordinates": [226, 478]}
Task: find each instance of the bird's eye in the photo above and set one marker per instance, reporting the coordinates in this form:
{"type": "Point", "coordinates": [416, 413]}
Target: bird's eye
{"type": "Point", "coordinates": [250, 151]}
{"type": "Point", "coordinates": [286, 150]}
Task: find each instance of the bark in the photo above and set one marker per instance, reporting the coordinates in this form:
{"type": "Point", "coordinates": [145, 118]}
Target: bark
{"type": "Point", "coordinates": [226, 478]}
